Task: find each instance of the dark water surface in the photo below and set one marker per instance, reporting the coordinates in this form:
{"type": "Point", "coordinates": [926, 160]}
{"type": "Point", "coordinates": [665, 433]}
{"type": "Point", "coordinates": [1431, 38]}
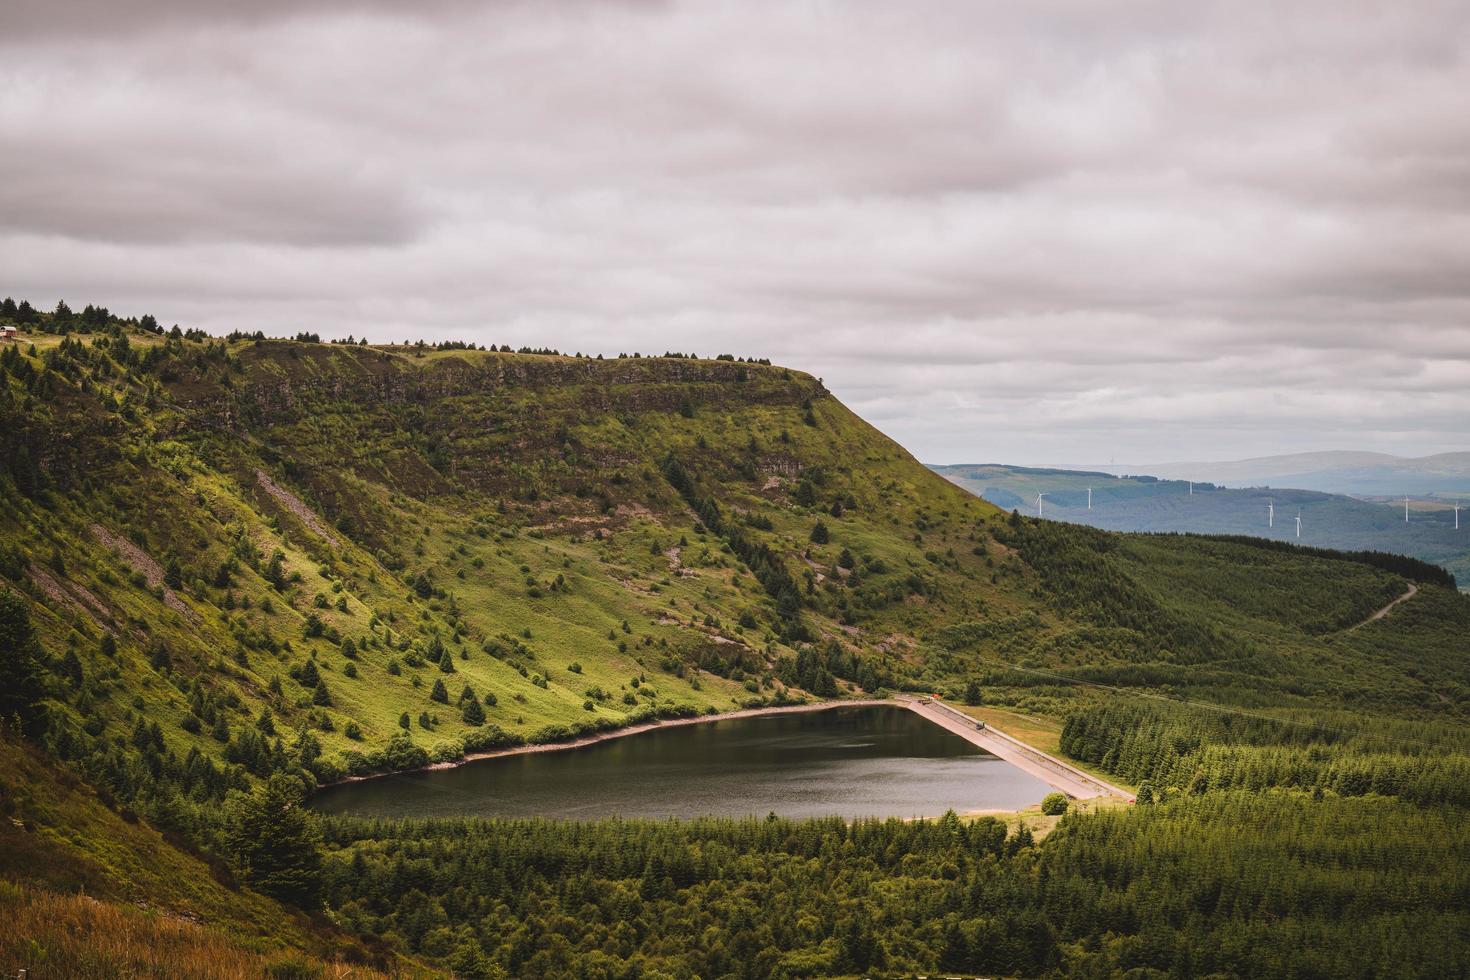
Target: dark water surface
{"type": "Point", "coordinates": [849, 761]}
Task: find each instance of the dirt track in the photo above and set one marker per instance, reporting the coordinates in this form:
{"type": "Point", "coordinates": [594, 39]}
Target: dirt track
{"type": "Point", "coordinates": [1413, 590]}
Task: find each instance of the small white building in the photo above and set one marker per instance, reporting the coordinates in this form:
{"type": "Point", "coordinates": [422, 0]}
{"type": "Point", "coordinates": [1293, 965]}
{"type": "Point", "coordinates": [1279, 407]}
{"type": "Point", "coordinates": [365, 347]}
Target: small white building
{"type": "Point", "coordinates": [8, 332]}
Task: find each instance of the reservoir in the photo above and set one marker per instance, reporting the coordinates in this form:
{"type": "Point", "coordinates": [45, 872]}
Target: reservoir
{"type": "Point", "coordinates": [858, 761]}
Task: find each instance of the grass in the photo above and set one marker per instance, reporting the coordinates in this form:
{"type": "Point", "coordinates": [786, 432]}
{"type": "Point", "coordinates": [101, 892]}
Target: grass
{"type": "Point", "coordinates": [1039, 733]}
{"type": "Point", "coordinates": [80, 937]}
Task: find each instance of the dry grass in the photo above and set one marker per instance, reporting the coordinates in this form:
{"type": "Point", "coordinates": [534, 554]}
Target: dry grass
{"type": "Point", "coordinates": [1038, 732]}
{"type": "Point", "coordinates": [81, 938]}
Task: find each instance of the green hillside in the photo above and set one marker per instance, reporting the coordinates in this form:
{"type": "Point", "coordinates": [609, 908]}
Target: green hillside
{"type": "Point", "coordinates": [240, 542]}
{"type": "Point", "coordinates": [252, 563]}
{"type": "Point", "coordinates": [1143, 503]}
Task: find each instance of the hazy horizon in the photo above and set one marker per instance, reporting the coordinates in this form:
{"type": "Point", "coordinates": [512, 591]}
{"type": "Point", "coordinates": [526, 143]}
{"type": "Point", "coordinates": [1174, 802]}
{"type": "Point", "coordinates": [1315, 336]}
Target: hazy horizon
{"type": "Point", "coordinates": [1202, 459]}
{"type": "Point", "coordinates": [1143, 231]}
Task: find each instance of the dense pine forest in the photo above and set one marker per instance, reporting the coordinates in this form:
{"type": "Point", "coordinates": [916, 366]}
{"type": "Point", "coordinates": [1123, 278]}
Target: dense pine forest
{"type": "Point", "coordinates": [233, 570]}
{"type": "Point", "coordinates": [1218, 883]}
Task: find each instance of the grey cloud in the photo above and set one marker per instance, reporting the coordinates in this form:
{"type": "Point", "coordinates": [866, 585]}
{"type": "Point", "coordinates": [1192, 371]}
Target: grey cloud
{"type": "Point", "coordinates": [161, 204]}
{"type": "Point", "coordinates": [1022, 233]}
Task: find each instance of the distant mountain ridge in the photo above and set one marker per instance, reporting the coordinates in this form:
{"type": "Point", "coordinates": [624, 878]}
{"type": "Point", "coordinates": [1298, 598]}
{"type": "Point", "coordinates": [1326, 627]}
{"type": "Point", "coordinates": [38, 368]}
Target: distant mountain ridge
{"type": "Point", "coordinates": [1349, 472]}
{"type": "Point", "coordinates": [1138, 502]}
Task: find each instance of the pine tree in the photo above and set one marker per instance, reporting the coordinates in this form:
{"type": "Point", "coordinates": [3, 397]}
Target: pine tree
{"type": "Point", "coordinates": [440, 692]}
{"type": "Point", "coordinates": [71, 668]}
{"type": "Point", "coordinates": [473, 714]}
{"type": "Point", "coordinates": [859, 948]}
{"type": "Point", "coordinates": [308, 675]}
{"type": "Point", "coordinates": [275, 572]}
{"type": "Point", "coordinates": [470, 962]}
{"type": "Point", "coordinates": [321, 697]}
{"type": "Point", "coordinates": [273, 841]}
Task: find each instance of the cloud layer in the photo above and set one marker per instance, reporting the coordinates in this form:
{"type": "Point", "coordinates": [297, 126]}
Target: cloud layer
{"type": "Point", "coordinates": [1051, 231]}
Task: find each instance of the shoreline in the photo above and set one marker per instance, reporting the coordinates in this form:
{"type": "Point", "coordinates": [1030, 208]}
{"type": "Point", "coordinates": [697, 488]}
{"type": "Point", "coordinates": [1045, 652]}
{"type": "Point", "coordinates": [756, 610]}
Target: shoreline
{"type": "Point", "coordinates": [648, 726]}
{"type": "Point", "coordinates": [1078, 784]}
{"type": "Point", "coordinates": [1054, 772]}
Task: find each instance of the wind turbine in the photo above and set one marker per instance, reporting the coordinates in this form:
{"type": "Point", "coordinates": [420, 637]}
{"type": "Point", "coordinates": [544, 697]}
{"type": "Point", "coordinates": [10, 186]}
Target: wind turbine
{"type": "Point", "coordinates": [1270, 512]}
{"type": "Point", "coordinates": [1298, 523]}
{"type": "Point", "coordinates": [1038, 503]}
{"type": "Point", "coordinates": [1457, 515]}
{"type": "Point", "coordinates": [1089, 505]}
{"type": "Point", "coordinates": [1191, 488]}
{"type": "Point", "coordinates": [1406, 510]}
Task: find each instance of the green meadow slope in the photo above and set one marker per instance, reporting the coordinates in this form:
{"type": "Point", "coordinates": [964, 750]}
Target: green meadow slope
{"type": "Point", "coordinates": [325, 534]}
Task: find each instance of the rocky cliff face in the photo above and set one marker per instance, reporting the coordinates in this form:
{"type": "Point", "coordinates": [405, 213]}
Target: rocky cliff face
{"type": "Point", "coordinates": [283, 380]}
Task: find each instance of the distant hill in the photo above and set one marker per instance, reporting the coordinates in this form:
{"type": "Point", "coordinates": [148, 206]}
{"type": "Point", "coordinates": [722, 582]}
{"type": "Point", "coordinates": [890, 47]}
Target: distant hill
{"type": "Point", "coordinates": [1353, 473]}
{"type": "Point", "coordinates": [1146, 503]}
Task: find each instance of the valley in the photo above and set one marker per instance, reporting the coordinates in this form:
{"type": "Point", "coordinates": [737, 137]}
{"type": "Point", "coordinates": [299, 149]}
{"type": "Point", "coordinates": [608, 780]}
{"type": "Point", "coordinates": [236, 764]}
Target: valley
{"type": "Point", "coordinates": [241, 571]}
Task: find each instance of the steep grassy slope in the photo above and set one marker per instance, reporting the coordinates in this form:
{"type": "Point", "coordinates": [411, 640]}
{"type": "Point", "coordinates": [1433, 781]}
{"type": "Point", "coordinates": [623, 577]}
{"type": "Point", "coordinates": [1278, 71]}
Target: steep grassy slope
{"type": "Point", "coordinates": [240, 544]}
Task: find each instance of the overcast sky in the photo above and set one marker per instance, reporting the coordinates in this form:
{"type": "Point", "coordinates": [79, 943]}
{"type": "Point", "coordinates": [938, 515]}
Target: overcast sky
{"type": "Point", "coordinates": [1039, 232]}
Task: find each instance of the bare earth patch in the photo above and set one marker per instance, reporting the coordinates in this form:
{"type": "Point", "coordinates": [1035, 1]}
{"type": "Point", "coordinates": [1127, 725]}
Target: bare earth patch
{"type": "Point", "coordinates": [75, 597]}
{"type": "Point", "coordinates": [140, 561]}
{"type": "Point", "coordinates": [296, 506]}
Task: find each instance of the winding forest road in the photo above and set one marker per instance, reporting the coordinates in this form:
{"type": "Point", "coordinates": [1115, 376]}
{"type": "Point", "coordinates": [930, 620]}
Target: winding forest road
{"type": "Point", "coordinates": [1413, 590]}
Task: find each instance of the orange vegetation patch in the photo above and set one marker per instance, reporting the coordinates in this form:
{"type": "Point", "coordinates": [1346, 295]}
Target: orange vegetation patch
{"type": "Point", "coordinates": [74, 936]}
